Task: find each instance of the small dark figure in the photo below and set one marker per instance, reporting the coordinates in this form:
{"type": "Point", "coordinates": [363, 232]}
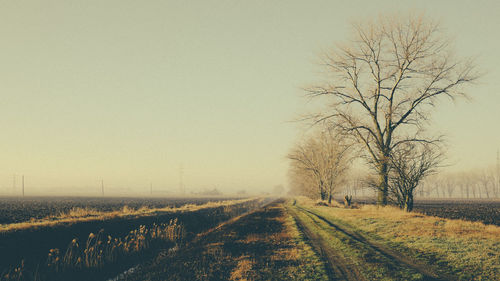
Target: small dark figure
{"type": "Point", "coordinates": [347, 200]}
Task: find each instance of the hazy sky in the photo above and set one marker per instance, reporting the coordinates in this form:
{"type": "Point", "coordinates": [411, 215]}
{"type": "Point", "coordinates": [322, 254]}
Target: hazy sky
{"type": "Point", "coordinates": [127, 91]}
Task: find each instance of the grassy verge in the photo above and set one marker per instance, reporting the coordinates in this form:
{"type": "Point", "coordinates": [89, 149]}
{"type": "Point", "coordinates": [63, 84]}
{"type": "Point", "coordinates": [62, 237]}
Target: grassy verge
{"type": "Point", "coordinates": [467, 250]}
{"type": "Point", "coordinates": [76, 215]}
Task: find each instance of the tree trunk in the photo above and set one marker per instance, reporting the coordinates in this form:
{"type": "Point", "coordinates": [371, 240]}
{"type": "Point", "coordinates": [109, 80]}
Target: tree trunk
{"type": "Point", "coordinates": [322, 191]}
{"type": "Point", "coordinates": [450, 192]}
{"type": "Point", "coordinates": [383, 185]}
{"type": "Point", "coordinates": [486, 191]}
{"type": "Point", "coordinates": [408, 207]}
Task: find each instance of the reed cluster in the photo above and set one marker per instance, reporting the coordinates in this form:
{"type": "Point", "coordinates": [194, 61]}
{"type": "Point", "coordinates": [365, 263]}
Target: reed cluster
{"type": "Point", "coordinates": [98, 253]}
{"type": "Point", "coordinates": [101, 249]}
{"type": "Point", "coordinates": [16, 273]}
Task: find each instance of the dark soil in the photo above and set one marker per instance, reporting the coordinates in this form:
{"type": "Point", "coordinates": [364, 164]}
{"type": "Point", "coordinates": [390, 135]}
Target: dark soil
{"type": "Point", "coordinates": [20, 209]}
{"type": "Point", "coordinates": [482, 210]}
{"type": "Point", "coordinates": [33, 245]}
{"type": "Point", "coordinates": [250, 243]}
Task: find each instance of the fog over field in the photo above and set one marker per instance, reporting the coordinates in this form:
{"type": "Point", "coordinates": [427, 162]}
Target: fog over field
{"type": "Point", "coordinates": [198, 95]}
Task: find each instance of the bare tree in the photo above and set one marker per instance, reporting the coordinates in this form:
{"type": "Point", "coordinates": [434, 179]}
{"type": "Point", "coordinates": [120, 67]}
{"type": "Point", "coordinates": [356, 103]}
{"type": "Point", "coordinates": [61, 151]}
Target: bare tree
{"type": "Point", "coordinates": [495, 178]}
{"type": "Point", "coordinates": [434, 183]}
{"type": "Point", "coordinates": [382, 84]}
{"type": "Point", "coordinates": [278, 189]}
{"type": "Point", "coordinates": [411, 163]}
{"type": "Point", "coordinates": [450, 183]}
{"type": "Point", "coordinates": [323, 160]}
{"type": "Point", "coordinates": [485, 182]}
{"type": "Point", "coordinates": [302, 181]}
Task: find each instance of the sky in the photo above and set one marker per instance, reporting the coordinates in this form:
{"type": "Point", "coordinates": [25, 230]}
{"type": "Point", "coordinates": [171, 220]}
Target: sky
{"type": "Point", "coordinates": [135, 93]}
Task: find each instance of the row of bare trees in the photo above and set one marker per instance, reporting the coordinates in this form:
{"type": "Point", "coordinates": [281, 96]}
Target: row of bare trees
{"type": "Point", "coordinates": [319, 164]}
{"type": "Point", "coordinates": [479, 183]}
{"type": "Point", "coordinates": [320, 167]}
{"type": "Point", "coordinates": [378, 92]}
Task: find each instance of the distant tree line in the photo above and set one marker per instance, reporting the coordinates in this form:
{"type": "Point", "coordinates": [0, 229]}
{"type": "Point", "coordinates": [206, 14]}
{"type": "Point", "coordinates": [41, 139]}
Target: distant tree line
{"type": "Point", "coordinates": [478, 183]}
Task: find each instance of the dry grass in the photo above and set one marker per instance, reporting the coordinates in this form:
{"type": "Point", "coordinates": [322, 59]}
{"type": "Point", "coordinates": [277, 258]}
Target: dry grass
{"type": "Point", "coordinates": [252, 238]}
{"type": "Point", "coordinates": [411, 222]}
{"type": "Point", "coordinates": [100, 250]}
{"type": "Point", "coordinates": [290, 254]}
{"type": "Point", "coordinates": [290, 258]}
{"type": "Point", "coordinates": [326, 204]}
{"type": "Point", "coordinates": [470, 249]}
{"type": "Point", "coordinates": [87, 214]}
{"type": "Point", "coordinates": [78, 213]}
{"type": "Point", "coordinates": [243, 270]}
{"type": "Point", "coordinates": [422, 225]}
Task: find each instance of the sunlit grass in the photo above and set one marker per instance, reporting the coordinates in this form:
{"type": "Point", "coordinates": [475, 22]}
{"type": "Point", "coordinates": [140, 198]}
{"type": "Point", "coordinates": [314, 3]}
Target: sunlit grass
{"type": "Point", "coordinates": [310, 266]}
{"type": "Point", "coordinates": [89, 214]}
{"type": "Point", "coordinates": [100, 249]}
{"type": "Point", "coordinates": [469, 250]}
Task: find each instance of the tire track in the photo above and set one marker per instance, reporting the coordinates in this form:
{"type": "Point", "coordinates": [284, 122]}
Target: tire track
{"type": "Point", "coordinates": [336, 267]}
{"type": "Point", "coordinates": [427, 271]}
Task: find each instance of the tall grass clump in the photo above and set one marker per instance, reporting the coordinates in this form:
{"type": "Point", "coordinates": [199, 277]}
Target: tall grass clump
{"type": "Point", "coordinates": [77, 212]}
{"type": "Point", "coordinates": [100, 255]}
{"type": "Point", "coordinates": [100, 249]}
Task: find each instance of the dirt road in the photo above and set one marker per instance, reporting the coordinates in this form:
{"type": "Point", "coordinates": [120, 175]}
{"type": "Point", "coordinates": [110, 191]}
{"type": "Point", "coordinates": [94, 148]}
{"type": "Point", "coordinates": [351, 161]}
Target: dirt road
{"type": "Point", "coordinates": [284, 242]}
{"type": "Point", "coordinates": [343, 265]}
{"type": "Point", "coordinates": [257, 246]}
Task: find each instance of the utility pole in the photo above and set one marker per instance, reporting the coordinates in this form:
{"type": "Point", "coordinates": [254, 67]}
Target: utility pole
{"type": "Point", "coordinates": [23, 185]}
{"type": "Point", "coordinates": [102, 187]}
